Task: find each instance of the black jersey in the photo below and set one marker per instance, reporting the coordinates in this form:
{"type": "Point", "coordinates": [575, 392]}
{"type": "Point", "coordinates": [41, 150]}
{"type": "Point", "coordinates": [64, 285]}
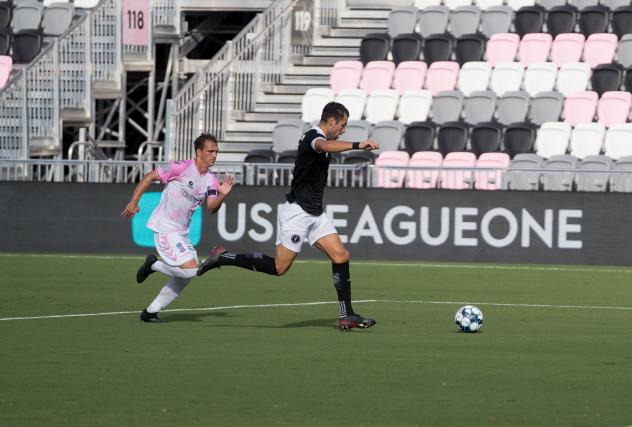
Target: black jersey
{"type": "Point", "coordinates": [310, 174]}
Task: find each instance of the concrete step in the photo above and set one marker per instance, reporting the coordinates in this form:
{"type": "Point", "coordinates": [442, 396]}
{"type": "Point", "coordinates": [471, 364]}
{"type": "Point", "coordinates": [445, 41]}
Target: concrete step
{"type": "Point", "coordinates": [277, 98]}
{"type": "Point", "coordinates": [242, 126]}
{"type": "Point", "coordinates": [295, 88]}
{"type": "Point", "coordinates": [376, 25]}
{"type": "Point", "coordinates": [326, 60]}
{"type": "Point", "coordinates": [338, 42]}
{"type": "Point", "coordinates": [365, 14]}
{"type": "Point", "coordinates": [306, 79]}
{"type": "Point", "coordinates": [351, 32]}
{"type": "Point", "coordinates": [258, 137]}
{"type": "Point", "coordinates": [312, 70]}
{"type": "Point", "coordinates": [259, 116]}
{"type": "Point", "coordinates": [282, 107]}
{"type": "Point", "coordinates": [334, 51]}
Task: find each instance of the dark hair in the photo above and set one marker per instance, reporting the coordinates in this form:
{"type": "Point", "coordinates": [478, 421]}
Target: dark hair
{"type": "Point", "coordinates": [198, 144]}
{"type": "Point", "coordinates": [335, 110]}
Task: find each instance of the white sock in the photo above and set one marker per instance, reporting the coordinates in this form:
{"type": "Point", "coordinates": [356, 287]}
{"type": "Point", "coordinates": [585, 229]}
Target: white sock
{"type": "Point", "coordinates": [168, 294]}
{"type": "Point", "coordinates": [181, 273]}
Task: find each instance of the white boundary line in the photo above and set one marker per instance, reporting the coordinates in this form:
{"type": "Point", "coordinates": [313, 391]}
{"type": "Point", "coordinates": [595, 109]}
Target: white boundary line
{"type": "Point", "coordinates": [420, 264]}
{"type": "Point", "coordinates": [301, 304]}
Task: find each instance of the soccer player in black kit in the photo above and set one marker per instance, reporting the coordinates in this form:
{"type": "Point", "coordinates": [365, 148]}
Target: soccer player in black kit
{"type": "Point", "coordinates": [302, 217]}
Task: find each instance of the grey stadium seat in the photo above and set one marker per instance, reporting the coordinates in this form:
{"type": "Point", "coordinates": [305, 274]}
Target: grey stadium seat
{"type": "Point", "coordinates": [402, 20]}
{"type": "Point", "coordinates": [447, 106]}
{"type": "Point", "coordinates": [286, 134]}
{"type": "Point", "coordinates": [57, 18]}
{"type": "Point", "coordinates": [622, 182]}
{"type": "Point", "coordinates": [464, 20]}
{"type": "Point", "coordinates": [513, 107]}
{"type": "Point", "coordinates": [546, 107]}
{"type": "Point", "coordinates": [593, 181]}
{"type": "Point", "coordinates": [496, 19]}
{"type": "Point", "coordinates": [524, 172]}
{"type": "Point", "coordinates": [27, 15]}
{"type": "Point", "coordinates": [559, 180]}
{"type": "Point", "coordinates": [479, 107]}
{"type": "Point", "coordinates": [357, 130]}
{"type": "Point", "coordinates": [433, 20]}
{"type": "Point", "coordinates": [388, 134]}
{"type": "Point", "coordinates": [624, 51]}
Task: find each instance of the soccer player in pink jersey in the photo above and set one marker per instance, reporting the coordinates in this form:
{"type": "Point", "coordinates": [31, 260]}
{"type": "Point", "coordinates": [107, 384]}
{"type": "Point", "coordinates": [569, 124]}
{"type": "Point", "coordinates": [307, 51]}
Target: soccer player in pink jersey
{"type": "Point", "coordinates": [188, 184]}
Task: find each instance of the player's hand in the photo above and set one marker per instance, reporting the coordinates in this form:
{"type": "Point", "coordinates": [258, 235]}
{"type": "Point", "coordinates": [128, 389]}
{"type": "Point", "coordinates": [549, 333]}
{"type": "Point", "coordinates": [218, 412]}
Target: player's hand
{"type": "Point", "coordinates": [369, 145]}
{"type": "Point", "coordinates": [226, 185]}
{"type": "Point", "coordinates": [130, 210]}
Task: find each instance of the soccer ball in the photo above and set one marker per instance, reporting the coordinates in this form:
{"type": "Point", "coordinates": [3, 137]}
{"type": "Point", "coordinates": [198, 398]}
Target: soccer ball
{"type": "Point", "coordinates": [468, 318]}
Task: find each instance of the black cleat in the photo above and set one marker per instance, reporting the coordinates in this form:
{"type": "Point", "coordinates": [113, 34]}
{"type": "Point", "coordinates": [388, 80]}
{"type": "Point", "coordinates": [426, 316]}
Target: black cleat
{"type": "Point", "coordinates": [212, 261]}
{"type": "Point", "coordinates": [145, 270]}
{"type": "Point", "coordinates": [354, 321]}
{"type": "Point", "coordinates": [145, 316]}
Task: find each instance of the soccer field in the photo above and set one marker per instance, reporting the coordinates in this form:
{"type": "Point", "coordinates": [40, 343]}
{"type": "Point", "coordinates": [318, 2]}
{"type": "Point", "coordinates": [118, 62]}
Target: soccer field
{"type": "Point", "coordinates": [245, 349]}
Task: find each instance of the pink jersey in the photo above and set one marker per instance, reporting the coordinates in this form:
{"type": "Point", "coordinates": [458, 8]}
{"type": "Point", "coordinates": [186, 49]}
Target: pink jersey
{"type": "Point", "coordinates": [184, 191]}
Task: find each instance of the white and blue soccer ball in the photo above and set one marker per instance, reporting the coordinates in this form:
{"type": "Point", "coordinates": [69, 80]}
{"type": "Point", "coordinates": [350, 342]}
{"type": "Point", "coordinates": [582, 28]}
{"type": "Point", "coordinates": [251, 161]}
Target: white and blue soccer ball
{"type": "Point", "coordinates": [469, 318]}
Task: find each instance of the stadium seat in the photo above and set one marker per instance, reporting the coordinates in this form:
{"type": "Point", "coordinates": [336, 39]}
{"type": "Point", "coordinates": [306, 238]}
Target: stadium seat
{"type": "Point", "coordinates": [387, 177]}
{"type": "Point", "coordinates": [447, 106]}
{"type": "Point", "coordinates": [57, 18]}
{"type": "Point", "coordinates": [377, 75]}
{"type": "Point", "coordinates": [587, 139]}
{"type": "Point", "coordinates": [86, 4]}
{"type": "Point", "coordinates": [621, 179]}
{"type": "Point", "coordinates": [573, 77]}
{"type": "Point", "coordinates": [618, 140]}
{"type": "Point", "coordinates": [614, 107]}
{"type": "Point", "coordinates": [490, 179]}
{"type": "Point", "coordinates": [469, 48]}
{"type": "Point", "coordinates": [441, 76]}
{"type": "Point", "coordinates": [624, 51]}
{"type": "Point", "coordinates": [419, 136]}
{"type": "Point", "coordinates": [600, 49]}
{"type": "Point", "coordinates": [529, 19]}
{"type": "Point", "coordinates": [622, 20]}
{"type": "Point", "coordinates": [506, 77]}
{"type": "Point", "coordinates": [561, 19]}
{"type": "Point", "coordinates": [5, 41]}
{"type": "Point", "coordinates": [286, 134]}
{"type": "Point", "coordinates": [474, 76]}
{"type": "Point", "coordinates": [345, 75]}
{"type": "Point", "coordinates": [512, 107]}
{"type": "Point", "coordinates": [357, 130]}
{"type": "Point", "coordinates": [456, 179]}
{"type": "Point", "coordinates": [519, 138]}
{"type": "Point", "coordinates": [27, 45]}
{"type": "Point", "coordinates": [546, 107]}
{"type": "Point", "coordinates": [501, 48]}
{"type": "Point", "coordinates": [381, 105]}
{"type": "Point", "coordinates": [409, 75]}
{"type": "Point", "coordinates": [606, 78]}
{"type": "Point", "coordinates": [388, 134]}
{"type": "Point", "coordinates": [496, 20]}
{"type": "Point", "coordinates": [590, 175]}
{"type": "Point", "coordinates": [374, 47]}
{"type": "Point", "coordinates": [464, 20]}
{"type": "Point", "coordinates": [6, 65]}
{"type": "Point", "coordinates": [414, 106]}
{"type": "Point", "coordinates": [534, 47]}
{"type": "Point", "coordinates": [486, 138]}
{"type": "Point", "coordinates": [424, 178]}
{"type": "Point", "coordinates": [580, 107]}
{"type": "Point", "coordinates": [519, 4]}
{"type": "Point", "coordinates": [567, 48]}
{"type": "Point", "coordinates": [594, 20]}
{"type": "Point", "coordinates": [433, 20]}
{"type": "Point", "coordinates": [354, 100]}
{"type": "Point", "coordinates": [452, 137]}
{"type": "Point", "coordinates": [552, 139]}
{"type": "Point", "coordinates": [479, 107]}
{"type": "Point", "coordinates": [406, 47]}
{"type": "Point", "coordinates": [313, 103]}
{"type": "Point", "coordinates": [288, 156]}
{"type": "Point", "coordinates": [402, 20]}
{"type": "Point", "coordinates": [455, 4]}
{"type": "Point", "coordinates": [260, 156]}
{"type": "Point", "coordinates": [438, 47]}
{"type": "Point", "coordinates": [555, 180]}
{"type": "Point", "coordinates": [27, 15]}
{"type": "Point", "coordinates": [5, 14]}
{"type": "Point", "coordinates": [358, 177]}
{"type": "Point", "coordinates": [524, 172]}
{"type": "Point", "coordinates": [486, 4]}
{"type": "Point", "coordinates": [540, 77]}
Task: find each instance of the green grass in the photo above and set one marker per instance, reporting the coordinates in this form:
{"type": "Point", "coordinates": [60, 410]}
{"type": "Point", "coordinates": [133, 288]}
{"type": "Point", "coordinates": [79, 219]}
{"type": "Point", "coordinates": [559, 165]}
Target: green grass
{"type": "Point", "coordinates": [289, 366]}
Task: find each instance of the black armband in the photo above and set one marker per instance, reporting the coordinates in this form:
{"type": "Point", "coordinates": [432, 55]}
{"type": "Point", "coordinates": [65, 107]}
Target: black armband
{"type": "Point", "coordinates": [355, 145]}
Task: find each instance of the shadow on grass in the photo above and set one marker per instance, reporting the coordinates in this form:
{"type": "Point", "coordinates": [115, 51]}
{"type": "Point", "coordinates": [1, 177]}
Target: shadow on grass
{"type": "Point", "coordinates": [200, 316]}
{"type": "Point", "coordinates": [192, 316]}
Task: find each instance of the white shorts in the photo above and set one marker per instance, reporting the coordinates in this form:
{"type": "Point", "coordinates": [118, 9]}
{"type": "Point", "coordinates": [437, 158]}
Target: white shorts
{"type": "Point", "coordinates": [295, 225]}
{"type": "Point", "coordinates": [174, 248]}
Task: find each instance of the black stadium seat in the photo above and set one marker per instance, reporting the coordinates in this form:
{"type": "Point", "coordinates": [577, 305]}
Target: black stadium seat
{"type": "Point", "coordinates": [529, 19]}
{"type": "Point", "coordinates": [27, 44]}
{"type": "Point", "coordinates": [622, 21]}
{"type": "Point", "coordinates": [561, 20]}
{"type": "Point", "coordinates": [452, 137]}
{"type": "Point", "coordinates": [260, 156]}
{"type": "Point", "coordinates": [486, 138]}
{"type": "Point", "coordinates": [519, 138]}
{"type": "Point", "coordinates": [406, 47]}
{"type": "Point", "coordinates": [374, 47]}
{"type": "Point", "coordinates": [594, 19]}
{"type": "Point", "coordinates": [5, 41]}
{"type": "Point", "coordinates": [5, 15]}
{"type": "Point", "coordinates": [627, 80]}
{"type": "Point", "coordinates": [470, 47]}
{"type": "Point", "coordinates": [606, 77]}
{"type": "Point", "coordinates": [438, 47]}
{"type": "Point", "coordinates": [419, 136]}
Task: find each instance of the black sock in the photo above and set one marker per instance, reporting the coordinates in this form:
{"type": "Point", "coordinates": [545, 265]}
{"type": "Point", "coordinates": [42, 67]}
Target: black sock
{"type": "Point", "coordinates": [255, 262]}
{"type": "Point", "coordinates": [342, 283]}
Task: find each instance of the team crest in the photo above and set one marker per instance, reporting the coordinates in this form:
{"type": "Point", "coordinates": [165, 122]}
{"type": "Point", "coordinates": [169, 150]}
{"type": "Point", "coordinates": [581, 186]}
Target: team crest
{"type": "Point", "coordinates": [295, 238]}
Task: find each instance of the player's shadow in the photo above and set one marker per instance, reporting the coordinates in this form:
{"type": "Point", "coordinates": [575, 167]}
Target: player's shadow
{"type": "Point", "coordinates": [193, 316]}
{"type": "Point", "coordinates": [323, 323]}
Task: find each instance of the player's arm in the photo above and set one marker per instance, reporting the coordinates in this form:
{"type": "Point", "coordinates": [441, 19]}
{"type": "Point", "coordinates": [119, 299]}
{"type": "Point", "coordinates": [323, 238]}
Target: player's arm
{"type": "Point", "coordinates": [325, 146]}
{"type": "Point", "coordinates": [213, 204]}
{"type": "Point", "coordinates": [132, 207]}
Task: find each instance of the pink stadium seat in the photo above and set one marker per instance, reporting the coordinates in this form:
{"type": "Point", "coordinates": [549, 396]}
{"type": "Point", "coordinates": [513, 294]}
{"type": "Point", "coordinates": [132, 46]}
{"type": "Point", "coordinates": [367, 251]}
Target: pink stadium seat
{"type": "Point", "coordinates": [567, 48]}
{"type": "Point", "coordinates": [424, 178]}
{"type": "Point", "coordinates": [502, 47]}
{"type": "Point", "coordinates": [457, 179]}
{"type": "Point", "coordinates": [377, 75]}
{"type": "Point", "coordinates": [442, 75]}
{"type": "Point", "coordinates": [534, 47]}
{"type": "Point", "coordinates": [391, 178]}
{"type": "Point", "coordinates": [491, 179]}
{"type": "Point", "coordinates": [345, 75]}
{"type": "Point", "coordinates": [614, 107]}
{"type": "Point", "coordinates": [409, 75]}
{"type": "Point", "coordinates": [580, 107]}
{"type": "Point", "coordinates": [600, 49]}
{"type": "Point", "coordinates": [6, 64]}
